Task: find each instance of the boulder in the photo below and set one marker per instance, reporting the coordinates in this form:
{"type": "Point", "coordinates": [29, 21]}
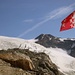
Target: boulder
{"type": "Point", "coordinates": [8, 70]}
{"type": "Point", "coordinates": [17, 60]}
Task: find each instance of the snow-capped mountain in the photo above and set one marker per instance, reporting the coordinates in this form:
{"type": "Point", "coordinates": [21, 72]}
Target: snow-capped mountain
{"type": "Point", "coordinates": [65, 62]}
{"type": "Point", "coordinates": [48, 40]}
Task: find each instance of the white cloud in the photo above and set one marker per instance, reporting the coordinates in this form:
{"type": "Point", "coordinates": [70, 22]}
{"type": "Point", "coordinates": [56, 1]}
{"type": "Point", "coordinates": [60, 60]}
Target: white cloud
{"type": "Point", "coordinates": [34, 27]}
{"type": "Point", "coordinates": [57, 13]}
{"type": "Point", "coordinates": [28, 20]}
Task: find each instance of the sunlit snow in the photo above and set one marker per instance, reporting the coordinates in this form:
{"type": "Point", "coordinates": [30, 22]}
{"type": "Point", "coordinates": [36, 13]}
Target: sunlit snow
{"type": "Point", "coordinates": [60, 57]}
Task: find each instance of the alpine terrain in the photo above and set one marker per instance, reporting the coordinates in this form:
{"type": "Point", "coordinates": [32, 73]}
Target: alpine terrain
{"type": "Point", "coordinates": [44, 55]}
{"type": "Point", "coordinates": [67, 44]}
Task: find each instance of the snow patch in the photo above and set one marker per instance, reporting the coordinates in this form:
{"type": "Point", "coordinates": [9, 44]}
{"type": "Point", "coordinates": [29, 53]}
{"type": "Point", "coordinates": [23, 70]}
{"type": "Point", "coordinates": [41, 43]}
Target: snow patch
{"type": "Point", "coordinates": [33, 40]}
{"type": "Point", "coordinates": [62, 39]}
{"type": "Point", "coordinates": [50, 38]}
{"type": "Point", "coordinates": [73, 45]}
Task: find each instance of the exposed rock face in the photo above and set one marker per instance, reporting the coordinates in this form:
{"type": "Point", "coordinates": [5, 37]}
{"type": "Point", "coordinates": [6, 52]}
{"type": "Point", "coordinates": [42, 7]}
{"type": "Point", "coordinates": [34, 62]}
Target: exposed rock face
{"type": "Point", "coordinates": [7, 69]}
{"type": "Point", "coordinates": [17, 60]}
{"type": "Point", "coordinates": [73, 52]}
{"type": "Point", "coordinates": [48, 40]}
{"type": "Point", "coordinates": [25, 62]}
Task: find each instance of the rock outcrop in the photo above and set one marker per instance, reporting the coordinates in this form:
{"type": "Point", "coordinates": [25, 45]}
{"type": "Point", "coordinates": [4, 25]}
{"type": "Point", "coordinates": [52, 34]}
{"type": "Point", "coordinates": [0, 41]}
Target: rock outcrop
{"type": "Point", "coordinates": [24, 62]}
{"type": "Point", "coordinates": [17, 60]}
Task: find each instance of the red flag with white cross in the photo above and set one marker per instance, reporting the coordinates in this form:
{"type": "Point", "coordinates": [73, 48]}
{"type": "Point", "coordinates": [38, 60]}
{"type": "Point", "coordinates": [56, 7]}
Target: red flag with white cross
{"type": "Point", "coordinates": [68, 22]}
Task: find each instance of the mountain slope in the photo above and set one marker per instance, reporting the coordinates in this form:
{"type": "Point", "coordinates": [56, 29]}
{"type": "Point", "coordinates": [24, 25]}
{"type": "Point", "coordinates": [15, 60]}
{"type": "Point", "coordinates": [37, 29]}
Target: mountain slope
{"type": "Point", "coordinates": [65, 63]}
{"type": "Point", "coordinates": [48, 40]}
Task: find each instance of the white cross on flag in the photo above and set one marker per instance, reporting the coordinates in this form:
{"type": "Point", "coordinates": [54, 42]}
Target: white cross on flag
{"type": "Point", "coordinates": [68, 22]}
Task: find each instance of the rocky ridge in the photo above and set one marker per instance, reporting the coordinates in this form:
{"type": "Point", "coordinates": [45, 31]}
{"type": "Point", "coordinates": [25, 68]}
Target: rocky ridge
{"type": "Point", "coordinates": [49, 40]}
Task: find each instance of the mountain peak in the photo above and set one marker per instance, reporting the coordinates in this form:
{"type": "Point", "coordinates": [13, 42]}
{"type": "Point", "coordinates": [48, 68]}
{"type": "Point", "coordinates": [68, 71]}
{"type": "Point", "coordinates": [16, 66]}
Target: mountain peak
{"type": "Point", "coordinates": [47, 40]}
{"type": "Point", "coordinates": [43, 36]}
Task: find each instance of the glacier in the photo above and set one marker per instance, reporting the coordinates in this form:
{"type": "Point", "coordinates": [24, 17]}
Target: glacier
{"type": "Point", "coordinates": [64, 62]}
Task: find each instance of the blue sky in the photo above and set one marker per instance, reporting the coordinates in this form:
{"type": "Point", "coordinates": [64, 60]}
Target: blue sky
{"type": "Point", "coordinates": [29, 18]}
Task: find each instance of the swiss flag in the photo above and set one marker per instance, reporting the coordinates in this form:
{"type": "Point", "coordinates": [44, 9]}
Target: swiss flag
{"type": "Point", "coordinates": [68, 22]}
